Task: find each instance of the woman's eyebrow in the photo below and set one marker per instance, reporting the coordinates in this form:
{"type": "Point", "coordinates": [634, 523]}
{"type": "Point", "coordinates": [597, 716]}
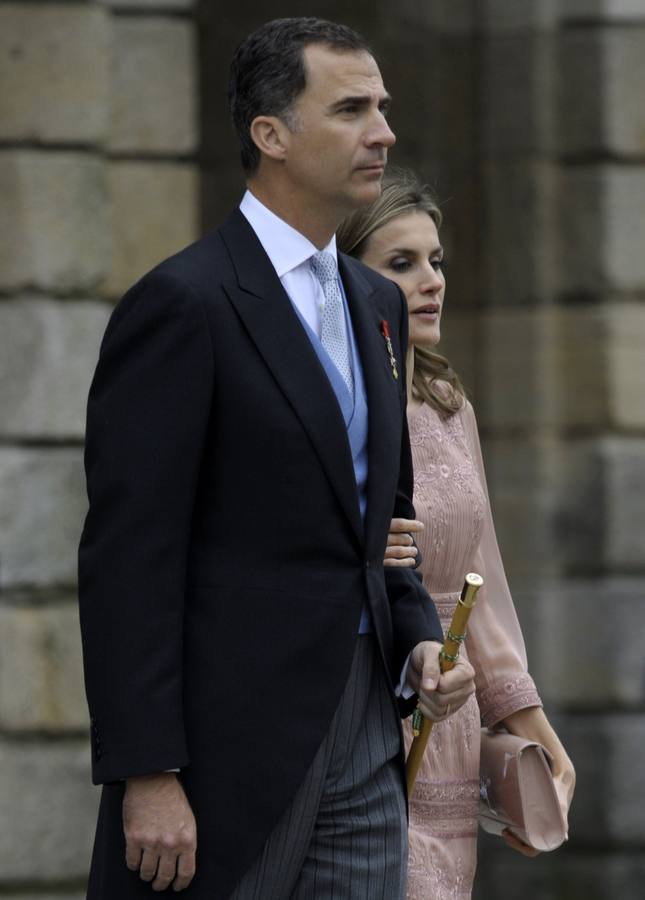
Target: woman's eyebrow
{"type": "Point", "coordinates": [410, 251]}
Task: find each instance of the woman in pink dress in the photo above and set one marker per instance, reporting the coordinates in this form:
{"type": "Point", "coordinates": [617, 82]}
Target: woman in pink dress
{"type": "Point", "coordinates": [398, 236]}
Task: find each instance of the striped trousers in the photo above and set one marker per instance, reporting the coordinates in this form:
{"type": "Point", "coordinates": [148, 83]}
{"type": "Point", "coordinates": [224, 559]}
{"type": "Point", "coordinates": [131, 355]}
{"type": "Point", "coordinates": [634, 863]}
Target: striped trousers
{"type": "Point", "coordinates": [344, 836]}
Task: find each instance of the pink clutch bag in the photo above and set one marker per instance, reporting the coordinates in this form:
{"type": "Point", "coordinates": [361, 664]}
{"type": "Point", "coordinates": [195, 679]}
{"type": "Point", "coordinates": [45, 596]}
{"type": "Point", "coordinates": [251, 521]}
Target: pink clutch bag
{"type": "Point", "coordinates": [517, 790]}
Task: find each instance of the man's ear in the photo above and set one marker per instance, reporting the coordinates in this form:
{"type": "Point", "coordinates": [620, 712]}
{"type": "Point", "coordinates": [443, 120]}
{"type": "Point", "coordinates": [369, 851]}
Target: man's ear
{"type": "Point", "coordinates": [271, 136]}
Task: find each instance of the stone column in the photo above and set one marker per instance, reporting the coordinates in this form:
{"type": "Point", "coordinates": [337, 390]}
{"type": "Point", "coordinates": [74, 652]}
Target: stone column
{"type": "Point", "coordinates": [563, 378]}
{"type": "Point", "coordinates": [98, 182]}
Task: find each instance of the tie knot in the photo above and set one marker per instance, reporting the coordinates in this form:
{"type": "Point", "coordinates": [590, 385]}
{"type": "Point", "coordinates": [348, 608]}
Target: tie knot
{"type": "Point", "coordinates": [324, 266]}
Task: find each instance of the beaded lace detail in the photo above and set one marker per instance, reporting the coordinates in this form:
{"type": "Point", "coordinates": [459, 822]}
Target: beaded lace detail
{"type": "Point", "coordinates": [432, 881]}
{"type": "Point", "coordinates": [499, 700]}
{"type": "Point", "coordinates": [446, 482]}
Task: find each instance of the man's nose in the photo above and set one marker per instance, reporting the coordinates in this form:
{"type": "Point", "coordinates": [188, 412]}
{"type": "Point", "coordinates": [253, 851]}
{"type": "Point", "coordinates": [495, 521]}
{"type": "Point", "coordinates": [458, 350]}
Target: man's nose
{"type": "Point", "coordinates": [381, 134]}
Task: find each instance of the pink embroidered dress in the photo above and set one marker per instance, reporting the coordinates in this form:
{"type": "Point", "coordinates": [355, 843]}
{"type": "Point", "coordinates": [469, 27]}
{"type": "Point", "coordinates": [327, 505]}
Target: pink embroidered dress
{"type": "Point", "coordinates": [451, 499]}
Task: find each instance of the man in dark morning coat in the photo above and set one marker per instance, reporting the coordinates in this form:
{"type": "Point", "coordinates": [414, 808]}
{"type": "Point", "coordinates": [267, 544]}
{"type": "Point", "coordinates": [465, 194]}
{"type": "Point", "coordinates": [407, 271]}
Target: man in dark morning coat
{"type": "Point", "coordinates": [243, 643]}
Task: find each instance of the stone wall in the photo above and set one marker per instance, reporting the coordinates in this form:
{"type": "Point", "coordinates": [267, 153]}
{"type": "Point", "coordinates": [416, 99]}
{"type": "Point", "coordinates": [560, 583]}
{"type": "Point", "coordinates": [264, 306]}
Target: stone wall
{"type": "Point", "coordinates": [98, 180]}
{"type": "Point", "coordinates": [562, 372]}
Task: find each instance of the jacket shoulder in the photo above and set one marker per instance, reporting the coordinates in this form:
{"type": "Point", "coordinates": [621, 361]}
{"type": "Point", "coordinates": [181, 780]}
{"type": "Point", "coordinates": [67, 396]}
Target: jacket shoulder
{"type": "Point", "coordinates": [390, 295]}
{"type": "Point", "coordinates": [199, 265]}
{"type": "Point", "coordinates": [360, 270]}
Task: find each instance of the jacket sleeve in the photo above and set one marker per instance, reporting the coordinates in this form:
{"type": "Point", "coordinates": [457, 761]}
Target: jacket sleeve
{"type": "Point", "coordinates": [147, 417]}
{"type": "Point", "coordinates": [414, 616]}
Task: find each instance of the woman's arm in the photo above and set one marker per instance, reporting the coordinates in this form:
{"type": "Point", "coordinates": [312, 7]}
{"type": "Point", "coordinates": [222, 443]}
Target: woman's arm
{"type": "Point", "coordinates": [506, 692]}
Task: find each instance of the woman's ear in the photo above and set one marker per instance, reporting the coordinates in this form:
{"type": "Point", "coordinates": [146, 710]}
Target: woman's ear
{"type": "Point", "coordinates": [271, 136]}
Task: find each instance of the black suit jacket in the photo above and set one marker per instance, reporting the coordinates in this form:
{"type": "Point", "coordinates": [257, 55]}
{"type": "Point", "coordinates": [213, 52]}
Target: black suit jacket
{"type": "Point", "coordinates": [224, 563]}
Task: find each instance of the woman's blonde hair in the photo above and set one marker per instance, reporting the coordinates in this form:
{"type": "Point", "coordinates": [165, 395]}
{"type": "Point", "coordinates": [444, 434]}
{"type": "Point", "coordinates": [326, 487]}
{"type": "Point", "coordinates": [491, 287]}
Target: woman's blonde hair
{"type": "Point", "coordinates": [402, 193]}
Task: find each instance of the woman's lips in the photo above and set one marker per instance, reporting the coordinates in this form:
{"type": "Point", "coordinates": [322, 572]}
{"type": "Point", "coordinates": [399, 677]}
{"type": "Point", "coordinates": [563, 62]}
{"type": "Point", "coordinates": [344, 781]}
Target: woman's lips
{"type": "Point", "coordinates": [430, 310]}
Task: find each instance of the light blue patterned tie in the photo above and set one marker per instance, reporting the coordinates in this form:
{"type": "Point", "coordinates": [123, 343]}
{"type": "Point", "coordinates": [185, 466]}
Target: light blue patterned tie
{"type": "Point", "coordinates": [333, 335]}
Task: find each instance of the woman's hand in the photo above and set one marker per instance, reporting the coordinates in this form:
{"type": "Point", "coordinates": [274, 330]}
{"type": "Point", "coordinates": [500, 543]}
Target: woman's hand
{"type": "Point", "coordinates": [400, 550]}
{"type": "Point", "coordinates": [533, 724]}
{"type": "Point", "coordinates": [564, 776]}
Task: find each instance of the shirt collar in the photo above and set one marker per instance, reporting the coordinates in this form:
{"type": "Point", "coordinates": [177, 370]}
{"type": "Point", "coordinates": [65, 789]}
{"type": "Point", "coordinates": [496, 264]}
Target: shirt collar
{"type": "Point", "coordinates": [285, 247]}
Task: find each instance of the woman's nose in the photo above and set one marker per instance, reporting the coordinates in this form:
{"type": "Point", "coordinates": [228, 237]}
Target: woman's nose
{"type": "Point", "coordinates": [431, 281]}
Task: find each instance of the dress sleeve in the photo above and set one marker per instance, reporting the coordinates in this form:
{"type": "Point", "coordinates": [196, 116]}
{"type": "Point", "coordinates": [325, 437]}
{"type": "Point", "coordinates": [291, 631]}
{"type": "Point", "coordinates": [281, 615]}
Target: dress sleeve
{"type": "Point", "coordinates": [495, 644]}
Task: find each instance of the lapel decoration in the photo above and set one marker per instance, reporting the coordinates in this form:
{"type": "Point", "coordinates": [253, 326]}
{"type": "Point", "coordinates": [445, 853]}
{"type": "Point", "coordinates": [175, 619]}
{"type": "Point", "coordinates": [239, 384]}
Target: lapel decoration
{"type": "Point", "coordinates": [385, 330]}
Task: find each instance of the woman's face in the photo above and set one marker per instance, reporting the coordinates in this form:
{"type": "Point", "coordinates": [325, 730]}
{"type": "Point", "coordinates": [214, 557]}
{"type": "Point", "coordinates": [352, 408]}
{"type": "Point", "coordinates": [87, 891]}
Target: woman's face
{"type": "Point", "coordinates": [407, 250]}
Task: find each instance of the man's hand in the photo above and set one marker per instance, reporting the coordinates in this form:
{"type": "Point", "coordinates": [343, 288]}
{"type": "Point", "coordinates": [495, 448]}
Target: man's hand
{"type": "Point", "coordinates": [439, 695]}
{"type": "Point", "coordinates": [400, 550]}
{"type": "Point", "coordinates": [160, 831]}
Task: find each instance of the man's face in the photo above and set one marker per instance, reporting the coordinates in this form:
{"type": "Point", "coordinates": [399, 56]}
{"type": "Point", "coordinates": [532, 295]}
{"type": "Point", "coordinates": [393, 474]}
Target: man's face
{"type": "Point", "coordinates": [337, 149]}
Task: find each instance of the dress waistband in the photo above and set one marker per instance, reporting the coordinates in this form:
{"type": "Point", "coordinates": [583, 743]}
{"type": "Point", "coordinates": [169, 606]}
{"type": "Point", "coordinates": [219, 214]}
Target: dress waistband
{"type": "Point", "coordinates": [445, 604]}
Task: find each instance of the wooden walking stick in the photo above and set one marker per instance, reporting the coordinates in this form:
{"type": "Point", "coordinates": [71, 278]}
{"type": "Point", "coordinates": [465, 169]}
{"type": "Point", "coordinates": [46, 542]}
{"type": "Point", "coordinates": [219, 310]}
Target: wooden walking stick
{"type": "Point", "coordinates": [448, 655]}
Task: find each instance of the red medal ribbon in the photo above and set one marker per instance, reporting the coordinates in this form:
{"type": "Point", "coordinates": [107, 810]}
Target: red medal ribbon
{"type": "Point", "coordinates": [385, 328]}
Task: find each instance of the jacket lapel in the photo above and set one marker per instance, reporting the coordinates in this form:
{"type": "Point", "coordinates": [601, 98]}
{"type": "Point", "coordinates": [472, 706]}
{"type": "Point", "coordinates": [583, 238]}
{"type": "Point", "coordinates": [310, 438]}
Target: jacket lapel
{"type": "Point", "coordinates": [368, 310]}
{"type": "Point", "coordinates": [274, 327]}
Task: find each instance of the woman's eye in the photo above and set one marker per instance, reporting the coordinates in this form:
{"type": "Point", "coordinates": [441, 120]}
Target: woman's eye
{"type": "Point", "coordinates": [438, 264]}
{"type": "Point", "coordinates": [400, 264]}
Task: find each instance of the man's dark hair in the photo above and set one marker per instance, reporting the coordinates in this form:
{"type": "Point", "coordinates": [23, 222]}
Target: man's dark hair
{"type": "Point", "coordinates": [268, 72]}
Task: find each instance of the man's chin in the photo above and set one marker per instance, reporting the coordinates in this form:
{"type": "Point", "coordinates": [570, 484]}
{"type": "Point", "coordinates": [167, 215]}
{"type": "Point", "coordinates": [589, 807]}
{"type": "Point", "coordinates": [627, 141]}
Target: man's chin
{"type": "Point", "coordinates": [368, 191]}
